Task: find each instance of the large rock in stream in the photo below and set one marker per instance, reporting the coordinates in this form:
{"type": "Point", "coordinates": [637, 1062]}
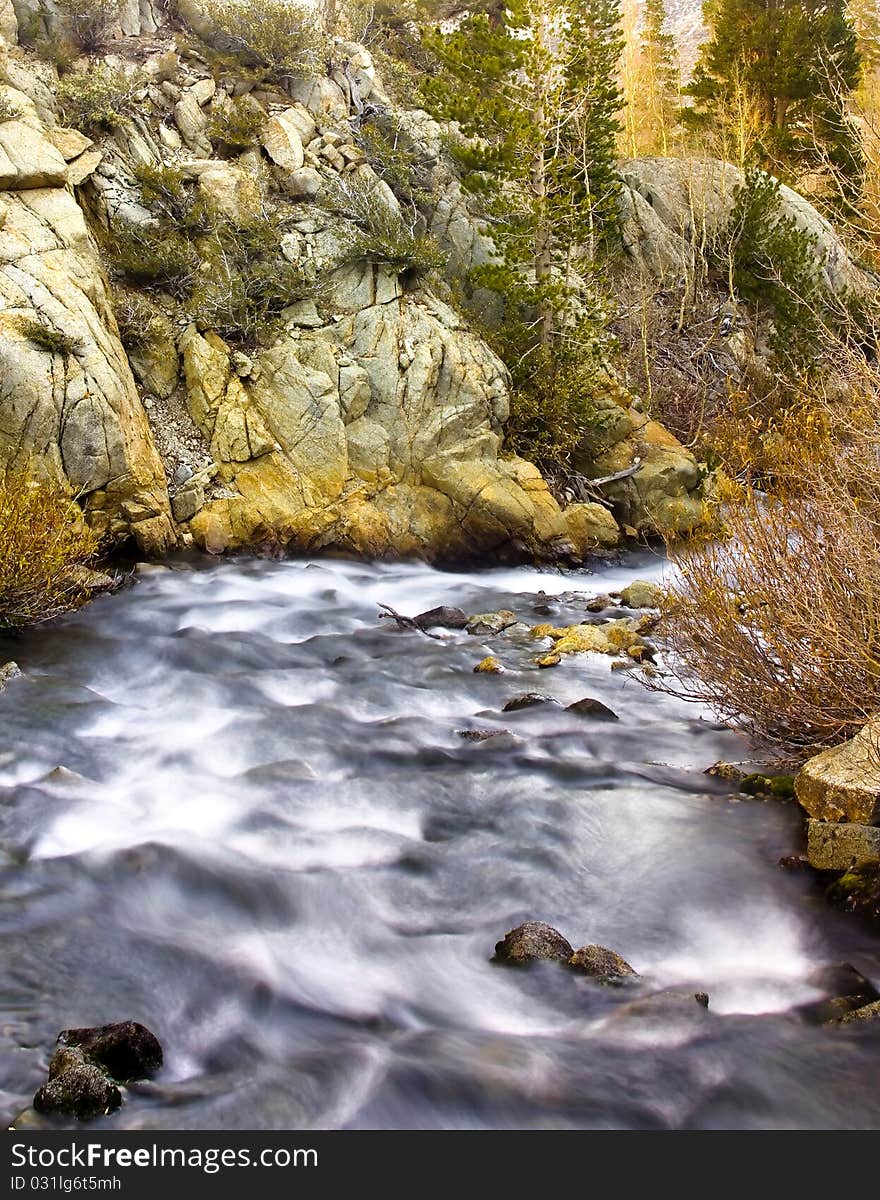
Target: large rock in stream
{"type": "Point", "coordinates": [89, 1063]}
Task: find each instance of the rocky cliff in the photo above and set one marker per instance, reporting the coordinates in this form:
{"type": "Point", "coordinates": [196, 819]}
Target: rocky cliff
{"type": "Point", "coordinates": [366, 417]}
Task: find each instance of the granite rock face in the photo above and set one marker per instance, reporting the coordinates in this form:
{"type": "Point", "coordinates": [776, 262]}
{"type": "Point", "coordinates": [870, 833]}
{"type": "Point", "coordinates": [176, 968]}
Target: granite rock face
{"type": "Point", "coordinates": [372, 419]}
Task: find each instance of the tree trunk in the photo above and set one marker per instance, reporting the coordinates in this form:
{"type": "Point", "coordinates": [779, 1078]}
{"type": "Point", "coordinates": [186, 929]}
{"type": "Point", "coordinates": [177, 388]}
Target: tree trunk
{"type": "Point", "coordinates": [542, 242]}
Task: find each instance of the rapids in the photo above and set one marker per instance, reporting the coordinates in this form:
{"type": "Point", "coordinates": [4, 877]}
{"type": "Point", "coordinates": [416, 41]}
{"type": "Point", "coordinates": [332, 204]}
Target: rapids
{"type": "Point", "coordinates": [236, 806]}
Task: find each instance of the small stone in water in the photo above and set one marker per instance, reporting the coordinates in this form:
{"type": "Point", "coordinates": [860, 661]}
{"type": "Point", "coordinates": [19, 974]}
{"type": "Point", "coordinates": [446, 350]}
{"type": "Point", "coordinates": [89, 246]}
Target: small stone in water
{"type": "Point", "coordinates": [527, 700]}
{"type": "Point", "coordinates": [531, 941]}
{"type": "Point", "coordinates": [601, 963]}
{"type": "Point", "coordinates": [491, 622]}
{"type": "Point", "coordinates": [588, 707]}
{"type": "Point", "coordinates": [81, 1091]}
{"type": "Point", "coordinates": [490, 665]}
{"type": "Point", "coordinates": [443, 617]}
{"type": "Point", "coordinates": [599, 603]}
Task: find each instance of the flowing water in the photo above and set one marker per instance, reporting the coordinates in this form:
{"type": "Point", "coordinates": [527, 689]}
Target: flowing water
{"type": "Point", "coordinates": [236, 806]}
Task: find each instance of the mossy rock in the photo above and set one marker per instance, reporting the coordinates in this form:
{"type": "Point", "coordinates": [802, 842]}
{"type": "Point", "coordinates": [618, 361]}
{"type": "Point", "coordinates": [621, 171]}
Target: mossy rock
{"type": "Point", "coordinates": [781, 787]}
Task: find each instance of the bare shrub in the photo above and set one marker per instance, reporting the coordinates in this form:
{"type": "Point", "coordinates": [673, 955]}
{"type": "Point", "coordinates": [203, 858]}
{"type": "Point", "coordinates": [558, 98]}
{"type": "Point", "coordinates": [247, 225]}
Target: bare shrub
{"type": "Point", "coordinates": [88, 23]}
{"type": "Point", "coordinates": [264, 39]}
{"type": "Point", "coordinates": [776, 625]}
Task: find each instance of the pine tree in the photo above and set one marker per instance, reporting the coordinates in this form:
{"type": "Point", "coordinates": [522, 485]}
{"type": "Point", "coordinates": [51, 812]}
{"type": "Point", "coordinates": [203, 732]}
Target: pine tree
{"type": "Point", "coordinates": [534, 98]}
{"type": "Point", "coordinates": [797, 61]}
{"type": "Point", "coordinates": [662, 75]}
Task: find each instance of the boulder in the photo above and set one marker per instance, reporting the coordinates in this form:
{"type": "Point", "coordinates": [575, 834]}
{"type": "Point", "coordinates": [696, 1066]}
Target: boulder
{"type": "Point", "coordinates": [612, 637]}
{"type": "Point", "coordinates": [193, 124]}
{"type": "Point", "coordinates": [81, 168]}
{"type": "Point", "coordinates": [282, 142]}
{"type": "Point", "coordinates": [837, 846]}
{"type": "Point", "coordinates": [303, 184]}
{"type": "Point", "coordinates": [869, 1012]}
{"type": "Point", "coordinates": [674, 206]}
{"type": "Point", "coordinates": [843, 783]}
{"type": "Point", "coordinates": [126, 1050]}
{"type": "Point", "coordinates": [28, 159]}
{"type": "Point", "coordinates": [532, 941]}
{"type": "Point", "coordinates": [186, 502]}
{"type": "Point", "coordinates": [600, 963]}
{"type": "Point", "coordinates": [69, 143]}
{"type": "Point", "coordinates": [231, 190]}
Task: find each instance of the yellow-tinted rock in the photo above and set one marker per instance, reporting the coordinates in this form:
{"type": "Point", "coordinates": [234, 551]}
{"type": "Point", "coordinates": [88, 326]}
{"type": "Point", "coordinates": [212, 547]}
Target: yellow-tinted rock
{"type": "Point", "coordinates": [590, 527]}
{"type": "Point", "coordinates": [843, 784]}
{"type": "Point", "coordinates": [490, 665]}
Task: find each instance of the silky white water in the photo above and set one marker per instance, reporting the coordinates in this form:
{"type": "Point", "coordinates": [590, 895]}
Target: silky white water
{"type": "Point", "coordinates": [236, 806]}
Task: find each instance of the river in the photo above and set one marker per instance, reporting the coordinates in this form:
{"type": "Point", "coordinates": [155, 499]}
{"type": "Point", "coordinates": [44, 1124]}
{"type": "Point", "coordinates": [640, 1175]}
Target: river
{"type": "Point", "coordinates": [236, 806]}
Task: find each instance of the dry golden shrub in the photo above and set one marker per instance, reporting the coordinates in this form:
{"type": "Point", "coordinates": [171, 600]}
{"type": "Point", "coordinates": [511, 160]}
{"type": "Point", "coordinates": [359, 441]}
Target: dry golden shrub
{"type": "Point", "coordinates": [44, 544]}
{"type": "Point", "coordinates": [776, 623]}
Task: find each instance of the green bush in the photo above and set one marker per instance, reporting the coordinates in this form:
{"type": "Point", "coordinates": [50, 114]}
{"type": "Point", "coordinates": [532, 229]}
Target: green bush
{"type": "Point", "coordinates": [159, 258]}
{"type": "Point", "coordinates": [245, 282]}
{"type": "Point", "coordinates": [237, 126]}
{"type": "Point", "coordinates": [140, 322]}
{"type": "Point", "coordinates": [47, 337]}
{"type": "Point", "coordinates": [44, 543]}
{"type": "Point", "coordinates": [88, 23]}
{"type": "Point", "coordinates": [271, 39]}
{"type": "Point", "coordinates": [554, 411]}
{"type": "Point", "coordinates": [8, 111]}
{"type": "Point", "coordinates": [384, 234]}
{"type": "Point", "coordinates": [98, 100]}
{"type": "Point", "coordinates": [382, 147]}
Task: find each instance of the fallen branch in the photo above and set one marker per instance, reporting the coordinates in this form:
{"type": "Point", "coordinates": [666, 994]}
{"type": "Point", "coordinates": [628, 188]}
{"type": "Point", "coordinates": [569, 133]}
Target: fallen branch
{"type": "Point", "coordinates": [406, 622]}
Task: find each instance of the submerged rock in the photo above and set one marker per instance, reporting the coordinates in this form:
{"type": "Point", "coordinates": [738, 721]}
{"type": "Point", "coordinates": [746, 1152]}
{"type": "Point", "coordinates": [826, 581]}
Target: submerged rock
{"type": "Point", "coordinates": [869, 1012]}
{"type": "Point", "coordinates": [601, 963]}
{"type": "Point", "coordinates": [497, 622]}
{"type": "Point", "coordinates": [665, 1005]}
{"type": "Point", "coordinates": [588, 707]}
{"type": "Point", "coordinates": [858, 890]}
{"type": "Point", "coordinates": [527, 700]}
{"type": "Point", "coordinates": [443, 617]}
{"type": "Point", "coordinates": [846, 990]}
{"type": "Point", "coordinates": [532, 941]}
{"type": "Point", "coordinates": [481, 735]}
